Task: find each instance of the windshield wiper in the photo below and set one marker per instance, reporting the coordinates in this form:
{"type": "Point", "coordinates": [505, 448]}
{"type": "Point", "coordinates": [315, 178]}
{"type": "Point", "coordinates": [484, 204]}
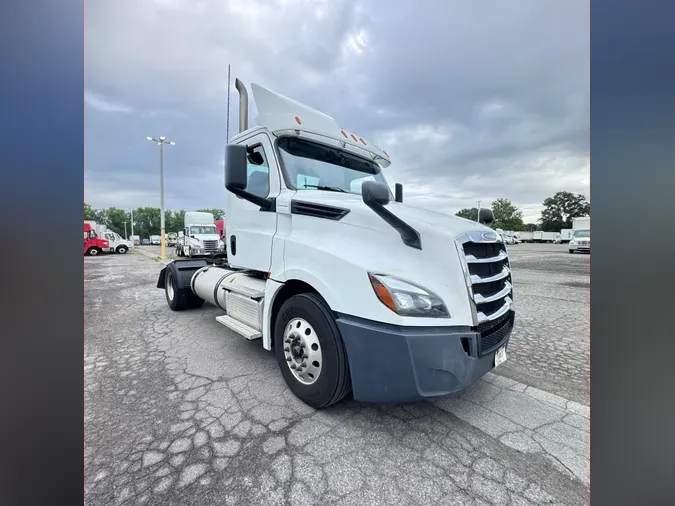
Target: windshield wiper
{"type": "Point", "coordinates": [326, 188]}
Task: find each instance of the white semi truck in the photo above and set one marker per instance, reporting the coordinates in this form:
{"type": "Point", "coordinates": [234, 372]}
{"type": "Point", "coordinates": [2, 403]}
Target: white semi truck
{"type": "Point", "coordinates": [199, 237]}
{"type": "Point", "coordinates": [352, 290]}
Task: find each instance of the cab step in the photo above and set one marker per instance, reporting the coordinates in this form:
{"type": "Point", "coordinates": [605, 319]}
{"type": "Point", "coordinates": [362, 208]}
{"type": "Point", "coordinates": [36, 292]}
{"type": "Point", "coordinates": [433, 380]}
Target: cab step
{"type": "Point", "coordinates": [249, 292]}
{"type": "Point", "coordinates": [238, 327]}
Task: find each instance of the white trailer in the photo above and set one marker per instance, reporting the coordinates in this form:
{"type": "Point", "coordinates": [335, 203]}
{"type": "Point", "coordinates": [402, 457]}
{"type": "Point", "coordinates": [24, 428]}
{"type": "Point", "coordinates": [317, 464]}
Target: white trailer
{"type": "Point", "coordinates": [349, 287]}
{"type": "Point", "coordinates": [199, 236]}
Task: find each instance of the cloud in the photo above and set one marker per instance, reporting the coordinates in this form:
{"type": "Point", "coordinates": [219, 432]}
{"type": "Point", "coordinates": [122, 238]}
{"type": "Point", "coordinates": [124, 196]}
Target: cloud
{"type": "Point", "coordinates": [473, 100]}
{"type": "Point", "coordinates": [102, 104]}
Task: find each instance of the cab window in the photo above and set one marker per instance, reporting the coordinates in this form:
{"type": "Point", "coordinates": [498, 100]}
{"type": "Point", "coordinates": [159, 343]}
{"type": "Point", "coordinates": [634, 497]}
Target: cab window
{"type": "Point", "coordinates": [258, 180]}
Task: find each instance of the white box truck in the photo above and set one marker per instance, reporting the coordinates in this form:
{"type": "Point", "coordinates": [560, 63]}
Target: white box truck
{"type": "Point", "coordinates": [566, 235]}
{"type": "Point", "coordinates": [351, 289]}
{"type": "Point", "coordinates": [581, 235]}
{"type": "Point", "coordinates": [155, 240]}
{"type": "Point", "coordinates": [199, 236]}
{"type": "Point", "coordinates": [526, 236]}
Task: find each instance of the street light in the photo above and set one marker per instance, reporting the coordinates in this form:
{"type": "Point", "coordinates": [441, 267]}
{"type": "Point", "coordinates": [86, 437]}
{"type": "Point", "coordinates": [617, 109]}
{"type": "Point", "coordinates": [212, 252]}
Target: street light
{"type": "Point", "coordinates": [478, 212]}
{"type": "Point", "coordinates": [161, 141]}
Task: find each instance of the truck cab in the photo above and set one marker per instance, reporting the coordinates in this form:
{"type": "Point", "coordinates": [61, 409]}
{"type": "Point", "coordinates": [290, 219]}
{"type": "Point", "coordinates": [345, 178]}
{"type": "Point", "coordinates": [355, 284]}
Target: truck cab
{"type": "Point", "coordinates": [199, 237]}
{"type": "Point", "coordinates": [352, 289]}
{"type": "Point", "coordinates": [93, 244]}
{"type": "Point", "coordinates": [116, 243]}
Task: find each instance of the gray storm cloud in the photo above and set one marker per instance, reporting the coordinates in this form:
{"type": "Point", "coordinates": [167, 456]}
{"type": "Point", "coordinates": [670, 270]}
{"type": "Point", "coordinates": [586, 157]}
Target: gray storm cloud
{"type": "Point", "coordinates": [474, 100]}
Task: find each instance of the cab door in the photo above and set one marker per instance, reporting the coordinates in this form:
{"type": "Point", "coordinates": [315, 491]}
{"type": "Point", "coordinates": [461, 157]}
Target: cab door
{"type": "Point", "coordinates": [249, 230]}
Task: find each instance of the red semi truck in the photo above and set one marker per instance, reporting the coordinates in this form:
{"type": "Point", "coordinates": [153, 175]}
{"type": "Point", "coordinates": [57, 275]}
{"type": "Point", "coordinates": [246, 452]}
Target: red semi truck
{"type": "Point", "coordinates": [93, 244]}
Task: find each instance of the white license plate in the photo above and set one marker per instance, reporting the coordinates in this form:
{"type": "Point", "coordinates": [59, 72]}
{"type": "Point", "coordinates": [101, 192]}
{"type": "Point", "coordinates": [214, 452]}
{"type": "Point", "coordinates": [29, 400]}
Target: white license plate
{"type": "Point", "coordinates": [500, 356]}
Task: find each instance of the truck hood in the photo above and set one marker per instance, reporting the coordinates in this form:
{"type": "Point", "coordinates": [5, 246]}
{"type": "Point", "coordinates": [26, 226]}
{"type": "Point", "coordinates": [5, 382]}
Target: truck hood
{"type": "Point", "coordinates": [425, 221]}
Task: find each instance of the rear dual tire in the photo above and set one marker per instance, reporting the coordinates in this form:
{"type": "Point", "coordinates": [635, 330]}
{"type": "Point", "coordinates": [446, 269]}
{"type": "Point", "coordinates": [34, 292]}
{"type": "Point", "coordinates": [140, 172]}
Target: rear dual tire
{"type": "Point", "coordinates": [305, 322]}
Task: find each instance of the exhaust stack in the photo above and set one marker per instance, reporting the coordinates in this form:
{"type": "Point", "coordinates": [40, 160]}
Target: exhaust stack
{"type": "Point", "coordinates": [243, 105]}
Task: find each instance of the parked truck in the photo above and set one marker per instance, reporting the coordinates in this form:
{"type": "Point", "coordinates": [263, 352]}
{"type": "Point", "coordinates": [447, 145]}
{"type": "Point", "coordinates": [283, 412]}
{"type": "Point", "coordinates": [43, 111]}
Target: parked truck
{"type": "Point", "coordinates": [115, 242]}
{"type": "Point", "coordinates": [199, 237]}
{"type": "Point", "coordinates": [155, 240]}
{"type": "Point", "coordinates": [540, 236]}
{"type": "Point", "coordinates": [220, 228]}
{"type": "Point", "coordinates": [566, 235]}
{"type": "Point", "coordinates": [93, 243]}
{"type": "Point", "coordinates": [581, 239]}
{"type": "Point", "coordinates": [171, 239]}
{"type": "Point", "coordinates": [526, 236]}
{"type": "Point", "coordinates": [351, 289]}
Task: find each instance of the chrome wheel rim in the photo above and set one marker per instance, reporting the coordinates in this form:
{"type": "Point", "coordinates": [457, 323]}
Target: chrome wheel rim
{"type": "Point", "coordinates": [302, 351]}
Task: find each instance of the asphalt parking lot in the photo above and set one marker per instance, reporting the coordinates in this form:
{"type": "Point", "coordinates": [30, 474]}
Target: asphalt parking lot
{"type": "Point", "coordinates": [180, 411]}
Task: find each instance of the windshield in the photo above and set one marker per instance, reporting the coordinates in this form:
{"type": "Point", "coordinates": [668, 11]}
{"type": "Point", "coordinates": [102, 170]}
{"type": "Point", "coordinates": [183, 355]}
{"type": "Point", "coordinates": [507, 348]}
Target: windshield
{"type": "Point", "coordinates": [203, 229]}
{"type": "Point", "coordinates": [309, 166]}
{"type": "Point", "coordinates": [582, 233]}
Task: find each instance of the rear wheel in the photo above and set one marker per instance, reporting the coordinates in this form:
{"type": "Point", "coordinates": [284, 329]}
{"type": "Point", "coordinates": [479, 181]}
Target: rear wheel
{"type": "Point", "coordinates": [179, 299]}
{"type": "Point", "coordinates": [310, 352]}
{"type": "Point", "coordinates": [92, 252]}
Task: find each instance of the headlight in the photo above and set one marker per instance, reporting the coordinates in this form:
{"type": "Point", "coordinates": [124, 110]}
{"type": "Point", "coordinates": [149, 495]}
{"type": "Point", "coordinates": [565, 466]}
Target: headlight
{"type": "Point", "coordinates": [407, 299]}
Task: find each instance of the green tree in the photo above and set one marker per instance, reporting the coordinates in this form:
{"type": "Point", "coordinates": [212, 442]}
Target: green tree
{"type": "Point", "coordinates": [469, 214]}
{"type": "Point", "coordinates": [114, 218]}
{"type": "Point", "coordinates": [507, 216]}
{"type": "Point", "coordinates": [561, 209]}
{"type": "Point", "coordinates": [175, 220]}
{"type": "Point", "coordinates": [90, 213]}
{"type": "Point", "coordinates": [146, 221]}
{"type": "Point", "coordinates": [217, 213]}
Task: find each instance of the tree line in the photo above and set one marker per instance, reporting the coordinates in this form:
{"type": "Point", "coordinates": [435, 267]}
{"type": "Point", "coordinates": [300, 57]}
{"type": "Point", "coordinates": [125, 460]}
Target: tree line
{"type": "Point", "coordinates": [146, 219]}
{"type": "Point", "coordinates": [558, 213]}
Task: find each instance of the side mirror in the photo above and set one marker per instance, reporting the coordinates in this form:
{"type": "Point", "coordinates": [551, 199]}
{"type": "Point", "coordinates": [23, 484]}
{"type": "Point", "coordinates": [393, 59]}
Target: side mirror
{"type": "Point", "coordinates": [181, 234]}
{"type": "Point", "coordinates": [375, 193]}
{"type": "Point", "coordinates": [235, 167]}
{"type": "Point", "coordinates": [398, 187]}
{"type": "Point", "coordinates": [486, 216]}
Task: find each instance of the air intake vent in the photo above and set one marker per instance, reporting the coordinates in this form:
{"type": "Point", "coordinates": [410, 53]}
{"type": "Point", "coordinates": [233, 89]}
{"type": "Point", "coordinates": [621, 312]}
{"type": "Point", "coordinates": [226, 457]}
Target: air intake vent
{"type": "Point", "coordinates": [318, 210]}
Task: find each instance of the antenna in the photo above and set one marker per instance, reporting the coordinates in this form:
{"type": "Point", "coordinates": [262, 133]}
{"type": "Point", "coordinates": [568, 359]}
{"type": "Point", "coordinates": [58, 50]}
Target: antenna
{"type": "Point", "coordinates": [227, 127]}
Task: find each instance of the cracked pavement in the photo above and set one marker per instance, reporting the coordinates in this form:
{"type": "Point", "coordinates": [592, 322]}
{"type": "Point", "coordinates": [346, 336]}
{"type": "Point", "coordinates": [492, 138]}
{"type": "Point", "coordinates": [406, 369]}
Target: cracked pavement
{"type": "Point", "coordinates": [181, 411]}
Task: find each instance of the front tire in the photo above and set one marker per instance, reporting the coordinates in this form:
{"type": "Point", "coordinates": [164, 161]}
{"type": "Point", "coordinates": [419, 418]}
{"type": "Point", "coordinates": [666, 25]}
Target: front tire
{"type": "Point", "coordinates": [571, 251]}
{"type": "Point", "coordinates": [306, 336]}
{"type": "Point", "coordinates": [122, 250]}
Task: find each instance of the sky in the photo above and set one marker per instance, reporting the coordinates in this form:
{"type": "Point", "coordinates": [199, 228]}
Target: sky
{"type": "Point", "coordinates": [472, 100]}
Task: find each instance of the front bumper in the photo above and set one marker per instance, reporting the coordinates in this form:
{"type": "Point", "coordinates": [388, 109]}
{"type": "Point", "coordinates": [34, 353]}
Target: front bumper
{"type": "Point", "coordinates": [580, 247]}
{"type": "Point", "coordinates": [392, 364]}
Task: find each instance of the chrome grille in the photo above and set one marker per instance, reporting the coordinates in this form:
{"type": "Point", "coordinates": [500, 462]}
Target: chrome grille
{"type": "Point", "coordinates": [210, 246]}
{"type": "Point", "coordinates": [488, 275]}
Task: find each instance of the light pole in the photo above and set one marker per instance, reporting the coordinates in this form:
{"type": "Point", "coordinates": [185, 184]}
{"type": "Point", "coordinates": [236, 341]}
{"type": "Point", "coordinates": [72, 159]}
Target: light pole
{"type": "Point", "coordinates": [161, 141]}
{"type": "Point", "coordinates": [126, 237]}
{"type": "Point", "coordinates": [478, 212]}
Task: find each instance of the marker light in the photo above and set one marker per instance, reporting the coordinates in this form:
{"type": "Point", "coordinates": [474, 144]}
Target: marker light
{"type": "Point", "coordinates": [297, 120]}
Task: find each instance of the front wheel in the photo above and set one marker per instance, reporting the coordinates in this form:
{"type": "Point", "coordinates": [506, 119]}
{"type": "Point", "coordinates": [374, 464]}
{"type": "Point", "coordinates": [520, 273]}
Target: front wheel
{"type": "Point", "coordinates": [122, 250]}
{"type": "Point", "coordinates": [310, 352]}
{"type": "Point", "coordinates": [571, 251]}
